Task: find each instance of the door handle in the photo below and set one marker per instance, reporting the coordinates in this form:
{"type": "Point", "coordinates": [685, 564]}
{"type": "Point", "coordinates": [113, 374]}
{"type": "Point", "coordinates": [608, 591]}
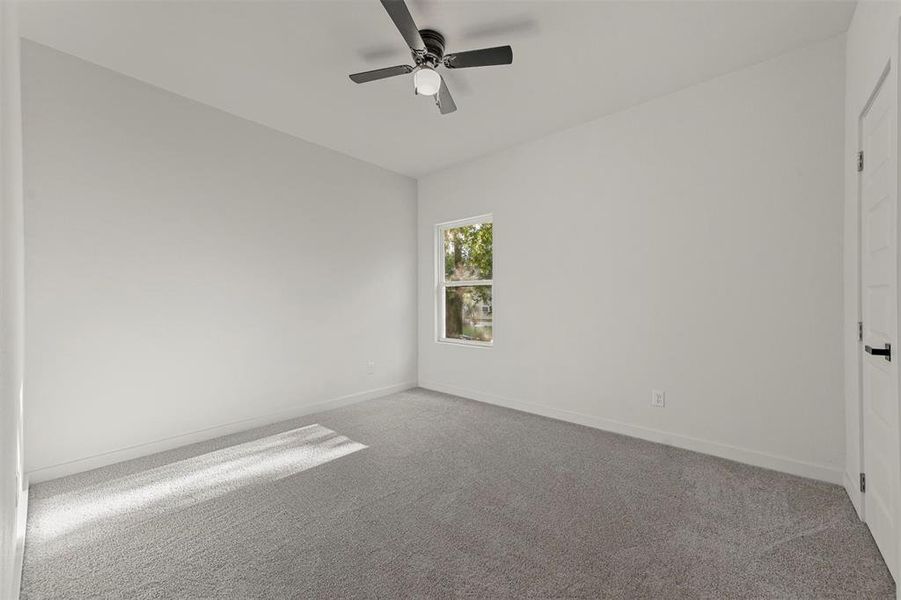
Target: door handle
{"type": "Point", "coordinates": [886, 352]}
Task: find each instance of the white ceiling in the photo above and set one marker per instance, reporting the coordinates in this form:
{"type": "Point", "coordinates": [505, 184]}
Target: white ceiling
{"type": "Point", "coordinates": [285, 64]}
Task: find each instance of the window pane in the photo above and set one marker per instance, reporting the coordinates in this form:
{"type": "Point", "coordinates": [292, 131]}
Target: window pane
{"type": "Point", "coordinates": [468, 313]}
{"type": "Point", "coordinates": [467, 252]}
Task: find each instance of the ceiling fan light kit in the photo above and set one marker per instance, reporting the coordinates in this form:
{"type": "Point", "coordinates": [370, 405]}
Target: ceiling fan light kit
{"type": "Point", "coordinates": [427, 50]}
{"type": "Point", "coordinates": [426, 81]}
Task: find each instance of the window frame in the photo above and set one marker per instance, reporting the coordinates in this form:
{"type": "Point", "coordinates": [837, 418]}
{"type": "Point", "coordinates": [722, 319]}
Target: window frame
{"type": "Point", "coordinates": [441, 284]}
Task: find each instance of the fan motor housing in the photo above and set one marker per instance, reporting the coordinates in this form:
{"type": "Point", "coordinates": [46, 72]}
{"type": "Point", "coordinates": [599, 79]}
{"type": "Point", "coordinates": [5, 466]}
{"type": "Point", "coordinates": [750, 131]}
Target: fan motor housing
{"type": "Point", "coordinates": [434, 44]}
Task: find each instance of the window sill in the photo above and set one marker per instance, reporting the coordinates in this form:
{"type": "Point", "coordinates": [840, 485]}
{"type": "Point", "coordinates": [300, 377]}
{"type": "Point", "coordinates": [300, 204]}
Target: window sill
{"type": "Point", "coordinates": [469, 343]}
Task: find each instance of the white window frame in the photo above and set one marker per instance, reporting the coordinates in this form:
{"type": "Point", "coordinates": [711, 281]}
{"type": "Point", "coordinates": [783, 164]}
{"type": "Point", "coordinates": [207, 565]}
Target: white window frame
{"type": "Point", "coordinates": [441, 284]}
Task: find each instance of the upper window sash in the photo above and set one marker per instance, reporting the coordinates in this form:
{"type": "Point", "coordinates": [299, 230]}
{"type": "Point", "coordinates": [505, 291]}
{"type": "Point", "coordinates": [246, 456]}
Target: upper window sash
{"type": "Point", "coordinates": [441, 248]}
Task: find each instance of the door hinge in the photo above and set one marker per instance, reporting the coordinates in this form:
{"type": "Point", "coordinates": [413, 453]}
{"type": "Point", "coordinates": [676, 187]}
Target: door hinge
{"type": "Point", "coordinates": [863, 482]}
{"type": "Point", "coordinates": [860, 162]}
{"type": "Point", "coordinates": [860, 331]}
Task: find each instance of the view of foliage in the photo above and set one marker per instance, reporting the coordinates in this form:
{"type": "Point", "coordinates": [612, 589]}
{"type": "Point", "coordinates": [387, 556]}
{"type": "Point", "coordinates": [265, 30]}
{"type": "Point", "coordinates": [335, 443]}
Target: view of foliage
{"type": "Point", "coordinates": [468, 257]}
{"type": "Point", "coordinates": [467, 252]}
{"type": "Point", "coordinates": [468, 313]}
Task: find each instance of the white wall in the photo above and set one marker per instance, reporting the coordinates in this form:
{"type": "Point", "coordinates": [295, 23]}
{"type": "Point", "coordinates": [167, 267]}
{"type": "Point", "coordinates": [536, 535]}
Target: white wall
{"type": "Point", "coordinates": [692, 244]}
{"type": "Point", "coordinates": [186, 269]}
{"type": "Point", "coordinates": [12, 522]}
{"type": "Point", "coordinates": [871, 40]}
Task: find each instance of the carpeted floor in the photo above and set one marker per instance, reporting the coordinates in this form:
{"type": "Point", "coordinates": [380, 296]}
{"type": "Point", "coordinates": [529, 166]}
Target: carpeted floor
{"type": "Point", "coordinates": [424, 495]}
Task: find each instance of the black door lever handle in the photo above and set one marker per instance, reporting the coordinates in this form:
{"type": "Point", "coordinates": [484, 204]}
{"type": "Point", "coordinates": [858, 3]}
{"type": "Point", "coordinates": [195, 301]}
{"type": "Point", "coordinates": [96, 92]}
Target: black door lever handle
{"type": "Point", "coordinates": [886, 352]}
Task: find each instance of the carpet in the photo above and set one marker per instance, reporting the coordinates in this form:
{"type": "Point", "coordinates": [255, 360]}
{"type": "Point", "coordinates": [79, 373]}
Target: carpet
{"type": "Point", "coordinates": [425, 495]}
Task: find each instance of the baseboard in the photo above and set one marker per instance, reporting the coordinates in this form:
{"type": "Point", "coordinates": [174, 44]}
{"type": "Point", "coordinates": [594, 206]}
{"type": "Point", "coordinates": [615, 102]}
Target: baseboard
{"type": "Point", "coordinates": [108, 458]}
{"type": "Point", "coordinates": [743, 455]}
{"type": "Point", "coordinates": [852, 488]}
{"type": "Point", "coordinates": [19, 556]}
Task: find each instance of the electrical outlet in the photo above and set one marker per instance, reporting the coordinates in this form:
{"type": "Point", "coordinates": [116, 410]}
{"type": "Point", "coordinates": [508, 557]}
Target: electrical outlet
{"type": "Point", "coordinates": [658, 399]}
{"type": "Point", "coordinates": [370, 367]}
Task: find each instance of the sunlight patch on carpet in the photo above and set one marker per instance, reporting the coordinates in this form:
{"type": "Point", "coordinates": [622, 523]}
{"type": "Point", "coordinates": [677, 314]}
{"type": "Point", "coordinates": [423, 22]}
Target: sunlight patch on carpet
{"type": "Point", "coordinates": [179, 484]}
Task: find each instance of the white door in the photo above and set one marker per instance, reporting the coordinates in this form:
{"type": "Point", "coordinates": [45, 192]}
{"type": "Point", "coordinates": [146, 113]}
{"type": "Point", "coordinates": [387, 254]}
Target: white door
{"type": "Point", "coordinates": [879, 312]}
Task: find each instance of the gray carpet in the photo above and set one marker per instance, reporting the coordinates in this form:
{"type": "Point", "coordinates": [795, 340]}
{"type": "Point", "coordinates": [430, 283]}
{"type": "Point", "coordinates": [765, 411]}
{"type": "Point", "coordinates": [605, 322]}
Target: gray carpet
{"type": "Point", "coordinates": [424, 495]}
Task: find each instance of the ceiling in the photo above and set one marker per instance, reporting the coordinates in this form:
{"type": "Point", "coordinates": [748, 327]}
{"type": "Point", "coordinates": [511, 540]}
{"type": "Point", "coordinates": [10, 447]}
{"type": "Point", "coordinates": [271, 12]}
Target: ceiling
{"type": "Point", "coordinates": [285, 64]}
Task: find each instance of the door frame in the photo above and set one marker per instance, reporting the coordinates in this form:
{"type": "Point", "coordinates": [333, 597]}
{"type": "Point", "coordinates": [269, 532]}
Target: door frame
{"type": "Point", "coordinates": [895, 58]}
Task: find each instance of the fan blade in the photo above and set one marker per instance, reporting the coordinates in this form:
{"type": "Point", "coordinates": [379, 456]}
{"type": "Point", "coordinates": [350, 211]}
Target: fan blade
{"type": "Point", "coordinates": [400, 14]}
{"type": "Point", "coordinates": [501, 55]}
{"type": "Point", "coordinates": [367, 76]}
{"type": "Point", "coordinates": [444, 100]}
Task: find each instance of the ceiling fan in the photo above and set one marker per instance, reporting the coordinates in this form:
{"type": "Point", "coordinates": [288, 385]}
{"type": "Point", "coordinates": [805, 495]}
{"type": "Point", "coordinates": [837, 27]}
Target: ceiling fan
{"type": "Point", "coordinates": [427, 49]}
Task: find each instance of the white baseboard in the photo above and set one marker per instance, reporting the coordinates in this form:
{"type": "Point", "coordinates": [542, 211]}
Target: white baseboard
{"type": "Point", "coordinates": [743, 455]}
{"type": "Point", "coordinates": [108, 458]}
{"type": "Point", "coordinates": [19, 556]}
{"type": "Point", "coordinates": [852, 487]}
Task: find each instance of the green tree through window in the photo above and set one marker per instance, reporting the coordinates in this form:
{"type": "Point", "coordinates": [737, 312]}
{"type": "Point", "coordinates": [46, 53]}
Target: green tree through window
{"type": "Point", "coordinates": [467, 281]}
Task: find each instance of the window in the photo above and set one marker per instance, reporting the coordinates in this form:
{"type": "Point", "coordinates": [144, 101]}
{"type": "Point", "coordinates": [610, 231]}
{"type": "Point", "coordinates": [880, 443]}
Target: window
{"type": "Point", "coordinates": [465, 270]}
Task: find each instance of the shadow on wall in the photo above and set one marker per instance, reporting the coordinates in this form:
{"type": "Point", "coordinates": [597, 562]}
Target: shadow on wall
{"type": "Point", "coordinates": [183, 483]}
